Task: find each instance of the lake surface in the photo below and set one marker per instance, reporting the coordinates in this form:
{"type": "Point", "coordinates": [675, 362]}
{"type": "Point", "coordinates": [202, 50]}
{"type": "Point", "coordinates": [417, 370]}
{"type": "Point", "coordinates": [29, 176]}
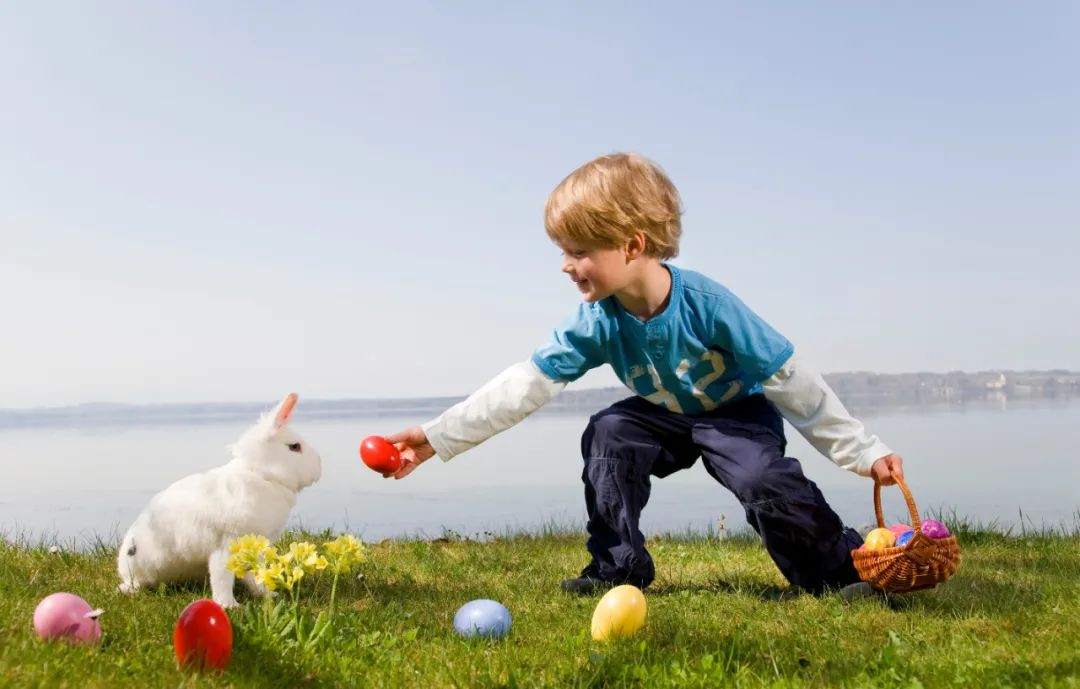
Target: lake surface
{"type": "Point", "coordinates": [1008, 464]}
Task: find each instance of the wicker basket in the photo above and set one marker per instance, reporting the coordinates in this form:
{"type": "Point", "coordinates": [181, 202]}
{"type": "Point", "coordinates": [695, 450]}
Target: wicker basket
{"type": "Point", "coordinates": [921, 563]}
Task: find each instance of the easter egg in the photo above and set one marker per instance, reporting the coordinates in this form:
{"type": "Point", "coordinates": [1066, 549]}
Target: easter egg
{"type": "Point", "coordinates": [482, 617]}
{"type": "Point", "coordinates": [621, 612]}
{"type": "Point", "coordinates": [898, 529]}
{"type": "Point", "coordinates": [66, 616]}
{"type": "Point", "coordinates": [380, 455]}
{"type": "Point", "coordinates": [203, 636]}
{"type": "Point", "coordinates": [905, 538]}
{"type": "Point", "coordinates": [932, 528]}
{"type": "Point", "coordinates": [879, 538]}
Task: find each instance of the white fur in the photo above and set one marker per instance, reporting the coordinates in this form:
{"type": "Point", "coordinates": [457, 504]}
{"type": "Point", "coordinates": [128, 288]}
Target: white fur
{"type": "Point", "coordinates": [185, 530]}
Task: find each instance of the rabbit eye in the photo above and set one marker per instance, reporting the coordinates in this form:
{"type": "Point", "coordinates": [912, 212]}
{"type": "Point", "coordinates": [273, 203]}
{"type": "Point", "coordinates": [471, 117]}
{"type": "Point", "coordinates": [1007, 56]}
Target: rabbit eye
{"type": "Point", "coordinates": [295, 447]}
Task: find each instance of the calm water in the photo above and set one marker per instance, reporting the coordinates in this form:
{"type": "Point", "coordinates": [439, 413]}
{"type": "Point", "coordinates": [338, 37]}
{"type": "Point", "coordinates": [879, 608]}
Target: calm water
{"type": "Point", "coordinates": [985, 463]}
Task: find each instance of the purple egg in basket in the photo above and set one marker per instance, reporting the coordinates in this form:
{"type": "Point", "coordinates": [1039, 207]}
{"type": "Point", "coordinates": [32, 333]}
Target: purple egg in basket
{"type": "Point", "coordinates": [932, 528]}
{"type": "Point", "coordinates": [904, 538]}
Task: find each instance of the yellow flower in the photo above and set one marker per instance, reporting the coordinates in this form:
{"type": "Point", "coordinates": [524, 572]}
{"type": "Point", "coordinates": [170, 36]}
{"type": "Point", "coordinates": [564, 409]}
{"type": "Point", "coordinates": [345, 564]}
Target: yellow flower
{"type": "Point", "coordinates": [247, 553]}
{"type": "Point", "coordinates": [270, 575]}
{"type": "Point", "coordinates": [344, 553]}
{"type": "Point", "coordinates": [293, 565]}
{"type": "Point", "coordinates": [303, 554]}
{"type": "Point", "coordinates": [236, 565]}
{"type": "Point", "coordinates": [250, 543]}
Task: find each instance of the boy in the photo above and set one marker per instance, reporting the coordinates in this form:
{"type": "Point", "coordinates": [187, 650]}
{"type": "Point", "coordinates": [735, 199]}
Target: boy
{"type": "Point", "coordinates": [708, 376]}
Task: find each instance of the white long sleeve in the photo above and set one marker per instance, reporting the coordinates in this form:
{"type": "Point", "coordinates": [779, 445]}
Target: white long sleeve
{"type": "Point", "coordinates": [502, 402]}
{"type": "Point", "coordinates": [811, 406]}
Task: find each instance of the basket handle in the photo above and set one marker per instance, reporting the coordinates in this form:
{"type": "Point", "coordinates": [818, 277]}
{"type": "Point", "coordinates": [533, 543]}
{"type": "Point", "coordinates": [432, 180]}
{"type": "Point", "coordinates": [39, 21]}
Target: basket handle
{"type": "Point", "coordinates": [916, 523]}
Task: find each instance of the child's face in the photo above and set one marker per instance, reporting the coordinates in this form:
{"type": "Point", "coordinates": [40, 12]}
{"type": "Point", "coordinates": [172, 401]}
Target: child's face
{"type": "Point", "coordinates": [597, 272]}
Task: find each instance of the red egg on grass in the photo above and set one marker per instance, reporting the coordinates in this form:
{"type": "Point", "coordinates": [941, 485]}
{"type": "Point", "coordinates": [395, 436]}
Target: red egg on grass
{"type": "Point", "coordinates": [203, 636]}
{"type": "Point", "coordinates": [380, 455]}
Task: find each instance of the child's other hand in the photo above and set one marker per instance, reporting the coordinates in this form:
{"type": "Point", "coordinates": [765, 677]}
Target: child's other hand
{"type": "Point", "coordinates": [886, 467]}
{"type": "Point", "coordinates": [414, 447]}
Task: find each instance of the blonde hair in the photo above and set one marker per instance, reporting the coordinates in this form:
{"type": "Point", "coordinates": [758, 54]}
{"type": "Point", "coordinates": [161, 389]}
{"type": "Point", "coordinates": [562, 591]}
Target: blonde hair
{"type": "Point", "coordinates": [607, 200]}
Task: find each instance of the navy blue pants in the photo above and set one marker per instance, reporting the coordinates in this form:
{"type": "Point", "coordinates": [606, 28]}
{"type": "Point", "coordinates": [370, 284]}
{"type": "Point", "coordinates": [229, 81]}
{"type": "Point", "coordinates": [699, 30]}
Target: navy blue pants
{"type": "Point", "coordinates": [742, 445]}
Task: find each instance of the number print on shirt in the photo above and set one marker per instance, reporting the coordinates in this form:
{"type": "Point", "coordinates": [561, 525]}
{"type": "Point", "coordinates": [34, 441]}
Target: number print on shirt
{"type": "Point", "coordinates": [698, 386]}
{"type": "Point", "coordinates": [659, 395]}
{"type": "Point", "coordinates": [645, 381]}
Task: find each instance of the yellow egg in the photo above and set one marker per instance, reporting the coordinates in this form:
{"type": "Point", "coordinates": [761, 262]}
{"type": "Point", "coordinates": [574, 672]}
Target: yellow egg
{"type": "Point", "coordinates": [621, 612]}
{"type": "Point", "coordinates": [880, 538]}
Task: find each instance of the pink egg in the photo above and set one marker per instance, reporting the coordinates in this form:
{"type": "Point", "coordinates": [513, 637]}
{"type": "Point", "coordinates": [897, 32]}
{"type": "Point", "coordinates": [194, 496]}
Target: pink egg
{"type": "Point", "coordinates": [66, 616]}
{"type": "Point", "coordinates": [932, 528]}
{"type": "Point", "coordinates": [898, 529]}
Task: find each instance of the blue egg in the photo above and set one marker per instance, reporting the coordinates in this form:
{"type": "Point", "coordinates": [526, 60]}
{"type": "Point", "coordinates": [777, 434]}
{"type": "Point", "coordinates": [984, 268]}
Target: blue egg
{"type": "Point", "coordinates": [903, 538]}
{"type": "Point", "coordinates": [482, 617]}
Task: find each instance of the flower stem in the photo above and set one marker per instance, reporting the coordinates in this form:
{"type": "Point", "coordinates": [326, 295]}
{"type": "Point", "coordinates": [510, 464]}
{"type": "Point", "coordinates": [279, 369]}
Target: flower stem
{"type": "Point", "coordinates": [296, 612]}
{"type": "Point", "coordinates": [333, 591]}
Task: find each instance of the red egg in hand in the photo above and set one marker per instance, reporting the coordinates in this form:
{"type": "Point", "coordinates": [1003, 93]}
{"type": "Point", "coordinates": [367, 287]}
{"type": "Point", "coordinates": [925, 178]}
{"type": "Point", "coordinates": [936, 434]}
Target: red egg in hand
{"type": "Point", "coordinates": [203, 636]}
{"type": "Point", "coordinates": [380, 455]}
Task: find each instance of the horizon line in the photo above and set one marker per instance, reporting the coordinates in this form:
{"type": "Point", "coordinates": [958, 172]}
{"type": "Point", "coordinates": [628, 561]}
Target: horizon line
{"type": "Point", "coordinates": [446, 398]}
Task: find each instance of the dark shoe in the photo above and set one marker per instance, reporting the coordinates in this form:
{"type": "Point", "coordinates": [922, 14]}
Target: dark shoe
{"type": "Point", "coordinates": [859, 589]}
{"type": "Point", "coordinates": [585, 586]}
{"type": "Point", "coordinates": [589, 582]}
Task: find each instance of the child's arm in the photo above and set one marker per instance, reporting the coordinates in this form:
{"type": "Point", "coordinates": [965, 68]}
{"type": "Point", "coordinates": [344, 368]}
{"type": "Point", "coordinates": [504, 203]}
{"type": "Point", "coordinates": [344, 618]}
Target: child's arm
{"type": "Point", "coordinates": [811, 406]}
{"type": "Point", "coordinates": [503, 402]}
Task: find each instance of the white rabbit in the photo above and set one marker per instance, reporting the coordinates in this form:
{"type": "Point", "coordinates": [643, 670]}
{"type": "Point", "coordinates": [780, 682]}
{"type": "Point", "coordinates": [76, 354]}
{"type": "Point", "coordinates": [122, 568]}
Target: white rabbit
{"type": "Point", "coordinates": [185, 530]}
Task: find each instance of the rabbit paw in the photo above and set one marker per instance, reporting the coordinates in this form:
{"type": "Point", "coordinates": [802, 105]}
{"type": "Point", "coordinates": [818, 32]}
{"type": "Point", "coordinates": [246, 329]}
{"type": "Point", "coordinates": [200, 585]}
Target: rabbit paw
{"type": "Point", "coordinates": [226, 601]}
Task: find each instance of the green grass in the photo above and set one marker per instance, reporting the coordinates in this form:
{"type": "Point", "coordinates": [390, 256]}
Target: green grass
{"type": "Point", "coordinates": [1007, 619]}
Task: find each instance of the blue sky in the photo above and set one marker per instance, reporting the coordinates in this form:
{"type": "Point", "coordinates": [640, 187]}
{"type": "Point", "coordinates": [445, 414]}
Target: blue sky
{"type": "Point", "coordinates": [206, 201]}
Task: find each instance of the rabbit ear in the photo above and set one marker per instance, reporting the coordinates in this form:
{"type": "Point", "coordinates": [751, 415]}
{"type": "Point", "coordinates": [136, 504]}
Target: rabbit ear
{"type": "Point", "coordinates": [284, 410]}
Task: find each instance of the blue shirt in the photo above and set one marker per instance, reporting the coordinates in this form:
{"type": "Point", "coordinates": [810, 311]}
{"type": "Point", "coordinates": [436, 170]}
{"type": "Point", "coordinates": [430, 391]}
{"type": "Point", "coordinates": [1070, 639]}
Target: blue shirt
{"type": "Point", "coordinates": [705, 349]}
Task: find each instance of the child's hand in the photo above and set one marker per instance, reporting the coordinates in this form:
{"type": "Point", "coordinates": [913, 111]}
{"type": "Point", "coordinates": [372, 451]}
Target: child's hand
{"type": "Point", "coordinates": [414, 447]}
{"type": "Point", "coordinates": [886, 467]}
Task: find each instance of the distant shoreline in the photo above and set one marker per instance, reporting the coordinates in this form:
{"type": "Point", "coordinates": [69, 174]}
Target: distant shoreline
{"type": "Point", "coordinates": [862, 392]}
